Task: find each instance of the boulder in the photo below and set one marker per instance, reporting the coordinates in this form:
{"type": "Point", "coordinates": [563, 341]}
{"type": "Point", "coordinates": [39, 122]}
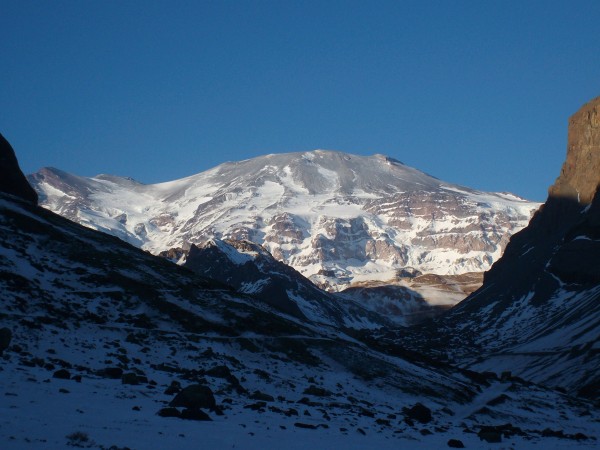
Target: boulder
{"type": "Point", "coordinates": [194, 414]}
{"type": "Point", "coordinates": [418, 412]}
{"type": "Point", "coordinates": [111, 372]}
{"type": "Point", "coordinates": [130, 378]}
{"type": "Point", "coordinates": [169, 412]}
{"type": "Point", "coordinates": [195, 396]}
{"type": "Point", "coordinates": [62, 374]}
{"type": "Point", "coordinates": [257, 395]}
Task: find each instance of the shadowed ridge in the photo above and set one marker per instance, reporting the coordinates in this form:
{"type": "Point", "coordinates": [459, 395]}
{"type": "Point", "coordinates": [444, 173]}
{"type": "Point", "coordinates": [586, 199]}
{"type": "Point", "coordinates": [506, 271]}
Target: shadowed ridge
{"type": "Point", "coordinates": [12, 180]}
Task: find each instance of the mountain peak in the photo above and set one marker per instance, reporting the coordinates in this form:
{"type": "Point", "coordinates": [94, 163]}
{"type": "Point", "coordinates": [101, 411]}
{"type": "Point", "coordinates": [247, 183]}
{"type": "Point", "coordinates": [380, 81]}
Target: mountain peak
{"type": "Point", "coordinates": [580, 174]}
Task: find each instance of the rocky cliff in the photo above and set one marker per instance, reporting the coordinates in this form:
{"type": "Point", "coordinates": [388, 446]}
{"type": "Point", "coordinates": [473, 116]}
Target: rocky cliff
{"type": "Point", "coordinates": [12, 180]}
{"type": "Point", "coordinates": [580, 174]}
{"type": "Point", "coordinates": [538, 311]}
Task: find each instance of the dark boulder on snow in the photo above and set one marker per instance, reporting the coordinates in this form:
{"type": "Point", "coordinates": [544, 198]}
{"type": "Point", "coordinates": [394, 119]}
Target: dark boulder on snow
{"type": "Point", "coordinates": [455, 443]}
{"type": "Point", "coordinates": [317, 391]}
{"type": "Point", "coordinates": [174, 388]}
{"type": "Point", "coordinates": [62, 374]}
{"type": "Point", "coordinates": [12, 180]}
{"type": "Point", "coordinates": [169, 412]}
{"type": "Point", "coordinates": [195, 396]}
{"type": "Point", "coordinates": [257, 395]}
{"type": "Point", "coordinates": [490, 434]}
{"type": "Point", "coordinates": [194, 414]}
{"type": "Point", "coordinates": [418, 412]}
{"type": "Point", "coordinates": [111, 372]}
{"type": "Point", "coordinates": [219, 372]}
{"type": "Point", "coordinates": [130, 378]}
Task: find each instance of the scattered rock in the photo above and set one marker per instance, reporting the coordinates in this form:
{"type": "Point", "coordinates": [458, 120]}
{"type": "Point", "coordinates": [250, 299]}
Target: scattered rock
{"type": "Point", "coordinates": [62, 374]}
{"type": "Point", "coordinates": [262, 374]}
{"type": "Point", "coordinates": [194, 414]}
{"type": "Point", "coordinates": [317, 391]}
{"type": "Point", "coordinates": [174, 388]}
{"type": "Point", "coordinates": [553, 433]}
{"type": "Point", "coordinates": [498, 400]}
{"type": "Point", "coordinates": [490, 434]}
{"type": "Point", "coordinates": [114, 373]}
{"type": "Point", "coordinates": [257, 395]}
{"type": "Point", "coordinates": [219, 372]}
{"type": "Point", "coordinates": [291, 412]}
{"type": "Point", "coordinates": [195, 396]}
{"type": "Point", "coordinates": [169, 412]}
{"type": "Point", "coordinates": [418, 412]}
{"type": "Point", "coordinates": [455, 443]}
{"type": "Point", "coordinates": [256, 406]}
{"type": "Point", "coordinates": [130, 378]}
{"type": "Point", "coordinates": [366, 412]}
{"type": "Point", "coordinates": [308, 426]}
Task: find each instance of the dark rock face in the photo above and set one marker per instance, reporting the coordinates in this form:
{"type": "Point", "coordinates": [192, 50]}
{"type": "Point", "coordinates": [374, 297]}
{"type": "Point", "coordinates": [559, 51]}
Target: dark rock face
{"type": "Point", "coordinates": [251, 270]}
{"type": "Point", "coordinates": [544, 292]}
{"type": "Point", "coordinates": [12, 180]}
{"type": "Point", "coordinates": [62, 374]}
{"type": "Point", "coordinates": [418, 412]}
{"type": "Point", "coordinates": [212, 261]}
{"type": "Point", "coordinates": [195, 396]}
{"type": "Point", "coordinates": [564, 232]}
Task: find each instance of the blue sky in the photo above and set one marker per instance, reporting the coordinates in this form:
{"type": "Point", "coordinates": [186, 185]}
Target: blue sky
{"type": "Point", "coordinates": [472, 92]}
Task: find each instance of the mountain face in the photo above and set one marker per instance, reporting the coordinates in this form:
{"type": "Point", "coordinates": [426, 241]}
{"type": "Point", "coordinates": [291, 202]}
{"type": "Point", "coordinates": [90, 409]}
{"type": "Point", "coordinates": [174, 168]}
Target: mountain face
{"type": "Point", "coordinates": [105, 346]}
{"type": "Point", "coordinates": [336, 218]}
{"type": "Point", "coordinates": [538, 311]}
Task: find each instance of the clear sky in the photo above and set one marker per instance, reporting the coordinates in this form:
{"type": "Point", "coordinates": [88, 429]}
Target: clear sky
{"type": "Point", "coordinates": [472, 92]}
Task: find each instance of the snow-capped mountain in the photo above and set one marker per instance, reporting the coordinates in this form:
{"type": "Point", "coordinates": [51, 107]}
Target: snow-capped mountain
{"type": "Point", "coordinates": [338, 219]}
{"type": "Point", "coordinates": [103, 345]}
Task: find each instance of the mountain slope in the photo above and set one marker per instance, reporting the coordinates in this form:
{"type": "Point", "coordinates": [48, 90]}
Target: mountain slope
{"type": "Point", "coordinates": [538, 311]}
{"type": "Point", "coordinates": [250, 269]}
{"type": "Point", "coordinates": [336, 218]}
{"type": "Point", "coordinates": [106, 346]}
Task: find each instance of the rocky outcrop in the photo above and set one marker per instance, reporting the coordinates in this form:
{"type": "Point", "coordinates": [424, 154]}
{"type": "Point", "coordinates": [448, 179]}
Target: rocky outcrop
{"type": "Point", "coordinates": [580, 174]}
{"type": "Point", "coordinates": [562, 233]}
{"type": "Point", "coordinates": [12, 180]}
{"type": "Point", "coordinates": [538, 311]}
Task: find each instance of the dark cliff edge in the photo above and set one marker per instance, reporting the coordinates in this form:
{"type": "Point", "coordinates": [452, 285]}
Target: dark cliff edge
{"type": "Point", "coordinates": [12, 180]}
{"type": "Point", "coordinates": [537, 313]}
{"type": "Point", "coordinates": [562, 234]}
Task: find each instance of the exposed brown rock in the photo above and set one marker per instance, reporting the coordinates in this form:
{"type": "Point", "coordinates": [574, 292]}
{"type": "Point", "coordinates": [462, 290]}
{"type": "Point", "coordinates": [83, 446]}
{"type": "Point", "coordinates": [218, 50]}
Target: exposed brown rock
{"type": "Point", "coordinates": [580, 174]}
